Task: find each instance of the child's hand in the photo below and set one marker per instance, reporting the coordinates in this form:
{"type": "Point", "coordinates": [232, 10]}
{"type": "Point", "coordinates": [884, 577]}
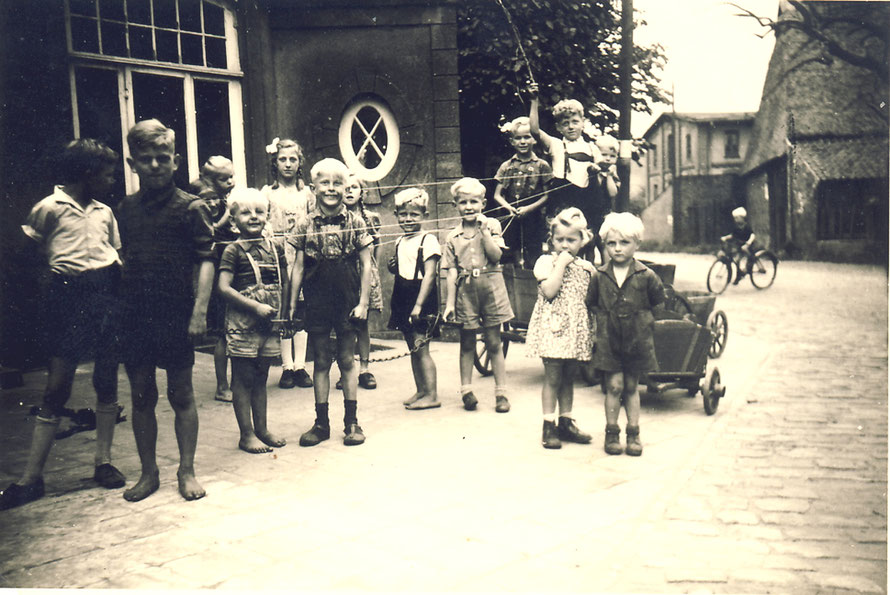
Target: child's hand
{"type": "Point", "coordinates": [485, 225]}
{"type": "Point", "coordinates": [593, 169]}
{"type": "Point", "coordinates": [564, 258]}
{"type": "Point", "coordinates": [414, 316]}
{"type": "Point", "coordinates": [522, 212]}
{"type": "Point", "coordinates": [197, 325]}
{"type": "Point", "coordinates": [533, 90]}
{"type": "Point", "coordinates": [360, 312]}
{"type": "Point", "coordinates": [448, 314]}
{"type": "Point", "coordinates": [265, 311]}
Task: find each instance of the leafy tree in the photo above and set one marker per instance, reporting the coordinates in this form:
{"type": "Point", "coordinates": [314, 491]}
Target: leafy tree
{"type": "Point", "coordinates": [573, 49]}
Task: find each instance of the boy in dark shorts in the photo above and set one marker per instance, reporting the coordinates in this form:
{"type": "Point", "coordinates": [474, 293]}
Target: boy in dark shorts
{"type": "Point", "coordinates": [166, 234]}
{"type": "Point", "coordinates": [79, 237]}
{"type": "Point", "coordinates": [328, 243]}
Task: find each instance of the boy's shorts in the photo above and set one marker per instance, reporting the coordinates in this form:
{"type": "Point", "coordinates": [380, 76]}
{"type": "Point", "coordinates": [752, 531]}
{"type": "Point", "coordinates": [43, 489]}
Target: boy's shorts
{"type": "Point", "coordinates": [482, 301]}
{"type": "Point", "coordinates": [83, 313]}
{"type": "Point", "coordinates": [158, 336]}
{"type": "Point", "coordinates": [253, 345]}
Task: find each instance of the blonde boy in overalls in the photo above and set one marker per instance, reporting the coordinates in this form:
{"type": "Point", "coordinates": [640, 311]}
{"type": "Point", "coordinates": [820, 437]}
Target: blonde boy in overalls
{"type": "Point", "coordinates": [253, 282]}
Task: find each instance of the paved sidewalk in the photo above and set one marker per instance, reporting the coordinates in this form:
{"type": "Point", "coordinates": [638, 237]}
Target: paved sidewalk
{"type": "Point", "coordinates": [784, 489]}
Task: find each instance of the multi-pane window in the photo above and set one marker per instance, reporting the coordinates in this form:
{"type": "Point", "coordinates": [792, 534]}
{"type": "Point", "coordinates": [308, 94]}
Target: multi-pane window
{"type": "Point", "coordinates": [188, 32]}
{"type": "Point", "coordinates": [174, 60]}
{"type": "Point", "coordinates": [731, 148]}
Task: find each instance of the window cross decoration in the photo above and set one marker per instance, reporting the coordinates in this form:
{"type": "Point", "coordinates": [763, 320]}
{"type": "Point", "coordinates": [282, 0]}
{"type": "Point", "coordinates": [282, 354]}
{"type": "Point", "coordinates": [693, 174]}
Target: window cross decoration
{"type": "Point", "coordinates": [369, 139]}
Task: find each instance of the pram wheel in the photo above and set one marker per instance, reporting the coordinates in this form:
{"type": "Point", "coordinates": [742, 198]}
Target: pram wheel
{"type": "Point", "coordinates": [719, 326]}
{"type": "Point", "coordinates": [712, 391]}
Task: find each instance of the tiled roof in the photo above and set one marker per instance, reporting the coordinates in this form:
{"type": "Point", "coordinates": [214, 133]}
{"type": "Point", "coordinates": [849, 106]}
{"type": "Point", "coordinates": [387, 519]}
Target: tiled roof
{"type": "Point", "coordinates": [845, 159]}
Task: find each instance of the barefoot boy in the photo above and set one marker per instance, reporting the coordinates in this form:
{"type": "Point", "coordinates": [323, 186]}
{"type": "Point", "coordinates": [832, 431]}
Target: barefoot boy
{"type": "Point", "coordinates": [166, 234]}
{"type": "Point", "coordinates": [253, 282]}
{"type": "Point", "coordinates": [328, 243]}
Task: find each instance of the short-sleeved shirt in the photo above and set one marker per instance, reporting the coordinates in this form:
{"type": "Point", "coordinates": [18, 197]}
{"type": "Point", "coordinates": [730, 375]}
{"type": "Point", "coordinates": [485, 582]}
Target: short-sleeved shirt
{"type": "Point", "coordinates": [571, 159]}
{"type": "Point", "coordinates": [76, 239]}
{"type": "Point", "coordinates": [234, 260]}
{"type": "Point", "coordinates": [467, 254]}
{"type": "Point", "coordinates": [523, 177]}
{"type": "Point", "coordinates": [407, 250]}
{"type": "Point", "coordinates": [164, 234]}
{"type": "Point", "coordinates": [328, 237]}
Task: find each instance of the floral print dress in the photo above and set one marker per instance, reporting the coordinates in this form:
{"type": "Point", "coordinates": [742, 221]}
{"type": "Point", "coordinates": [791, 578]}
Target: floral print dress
{"type": "Point", "coordinates": [561, 328]}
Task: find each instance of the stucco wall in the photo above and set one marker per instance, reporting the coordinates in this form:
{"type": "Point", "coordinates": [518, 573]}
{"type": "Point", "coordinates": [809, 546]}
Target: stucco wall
{"type": "Point", "coordinates": [407, 58]}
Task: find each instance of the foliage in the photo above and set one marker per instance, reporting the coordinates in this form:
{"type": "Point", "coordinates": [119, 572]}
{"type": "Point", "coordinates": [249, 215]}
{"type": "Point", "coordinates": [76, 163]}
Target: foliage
{"type": "Point", "coordinates": [573, 48]}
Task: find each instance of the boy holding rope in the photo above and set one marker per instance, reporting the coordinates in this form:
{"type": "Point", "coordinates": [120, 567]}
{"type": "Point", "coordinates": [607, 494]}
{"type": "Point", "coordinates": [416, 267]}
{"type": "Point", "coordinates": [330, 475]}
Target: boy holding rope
{"type": "Point", "coordinates": [522, 192]}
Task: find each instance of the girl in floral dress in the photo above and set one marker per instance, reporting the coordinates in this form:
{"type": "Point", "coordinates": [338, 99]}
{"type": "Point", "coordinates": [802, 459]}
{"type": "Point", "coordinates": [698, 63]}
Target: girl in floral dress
{"type": "Point", "coordinates": [559, 331]}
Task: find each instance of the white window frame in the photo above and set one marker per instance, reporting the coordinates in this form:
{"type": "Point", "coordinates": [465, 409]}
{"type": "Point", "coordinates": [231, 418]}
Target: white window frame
{"type": "Point", "coordinates": [388, 158]}
{"type": "Point", "coordinates": [125, 68]}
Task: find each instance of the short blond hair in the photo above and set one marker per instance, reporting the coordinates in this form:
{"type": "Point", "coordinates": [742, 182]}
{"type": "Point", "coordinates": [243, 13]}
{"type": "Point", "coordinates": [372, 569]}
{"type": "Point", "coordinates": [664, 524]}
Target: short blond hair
{"type": "Point", "coordinates": [573, 219]}
{"type": "Point", "coordinates": [740, 212]}
{"type": "Point", "coordinates": [567, 107]}
{"type": "Point", "coordinates": [470, 186]}
{"type": "Point", "coordinates": [242, 196]}
{"type": "Point", "coordinates": [150, 134]}
{"type": "Point", "coordinates": [214, 166]}
{"type": "Point", "coordinates": [331, 166]}
{"type": "Point", "coordinates": [511, 126]}
{"type": "Point", "coordinates": [626, 225]}
{"type": "Point", "coordinates": [412, 196]}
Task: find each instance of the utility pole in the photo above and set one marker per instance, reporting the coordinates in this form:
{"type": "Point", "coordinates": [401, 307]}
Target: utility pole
{"type": "Point", "coordinates": [625, 74]}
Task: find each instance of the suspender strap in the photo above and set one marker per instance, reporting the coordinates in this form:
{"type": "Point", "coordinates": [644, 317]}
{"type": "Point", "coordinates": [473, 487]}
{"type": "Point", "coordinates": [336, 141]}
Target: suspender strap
{"type": "Point", "coordinates": [259, 277]}
{"type": "Point", "coordinates": [418, 267]}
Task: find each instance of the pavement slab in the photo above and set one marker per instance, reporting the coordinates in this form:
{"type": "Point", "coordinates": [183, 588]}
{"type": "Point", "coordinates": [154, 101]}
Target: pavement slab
{"type": "Point", "coordinates": [783, 490]}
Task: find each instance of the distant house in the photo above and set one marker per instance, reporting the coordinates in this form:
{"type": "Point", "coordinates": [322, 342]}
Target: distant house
{"type": "Point", "coordinates": [688, 181]}
{"type": "Point", "coordinates": [816, 174]}
{"type": "Point", "coordinates": [371, 82]}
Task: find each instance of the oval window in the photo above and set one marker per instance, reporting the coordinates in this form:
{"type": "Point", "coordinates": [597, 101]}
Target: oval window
{"type": "Point", "coordinates": [369, 139]}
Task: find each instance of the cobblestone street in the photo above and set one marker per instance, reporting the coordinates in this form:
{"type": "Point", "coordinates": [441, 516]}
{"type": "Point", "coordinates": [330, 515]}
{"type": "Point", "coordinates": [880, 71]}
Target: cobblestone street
{"type": "Point", "coordinates": [783, 490]}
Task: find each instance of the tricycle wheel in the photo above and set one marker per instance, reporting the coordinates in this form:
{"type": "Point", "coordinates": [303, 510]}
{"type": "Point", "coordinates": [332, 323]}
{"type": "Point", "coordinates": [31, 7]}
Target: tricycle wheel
{"type": "Point", "coordinates": [719, 326]}
{"type": "Point", "coordinates": [712, 390]}
{"type": "Point", "coordinates": [719, 276]}
{"type": "Point", "coordinates": [482, 359]}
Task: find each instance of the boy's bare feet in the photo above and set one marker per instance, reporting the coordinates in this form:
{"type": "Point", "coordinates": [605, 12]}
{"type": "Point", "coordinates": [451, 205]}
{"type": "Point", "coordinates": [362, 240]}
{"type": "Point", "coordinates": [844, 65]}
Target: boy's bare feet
{"type": "Point", "coordinates": [425, 402]}
{"type": "Point", "coordinates": [145, 487]}
{"type": "Point", "coordinates": [189, 488]}
{"type": "Point", "coordinates": [272, 440]}
{"type": "Point", "coordinates": [412, 398]}
{"type": "Point", "coordinates": [253, 445]}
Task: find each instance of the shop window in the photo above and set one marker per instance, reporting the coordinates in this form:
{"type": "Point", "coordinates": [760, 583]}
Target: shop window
{"type": "Point", "coordinates": [174, 60]}
{"type": "Point", "coordinates": [369, 138]}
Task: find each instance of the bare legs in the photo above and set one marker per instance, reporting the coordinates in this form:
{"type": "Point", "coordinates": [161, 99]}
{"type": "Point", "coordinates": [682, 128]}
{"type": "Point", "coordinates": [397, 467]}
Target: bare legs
{"type": "Point", "coordinates": [180, 394]}
{"type": "Point", "coordinates": [622, 387]}
{"type": "Point", "coordinates": [249, 377]}
{"type": "Point", "coordinates": [424, 370]}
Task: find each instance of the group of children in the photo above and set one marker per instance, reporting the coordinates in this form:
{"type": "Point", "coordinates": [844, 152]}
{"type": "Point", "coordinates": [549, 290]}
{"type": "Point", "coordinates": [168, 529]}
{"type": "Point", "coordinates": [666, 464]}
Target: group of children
{"type": "Point", "coordinates": [306, 254]}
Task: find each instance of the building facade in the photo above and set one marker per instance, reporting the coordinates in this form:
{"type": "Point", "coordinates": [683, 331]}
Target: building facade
{"type": "Point", "coordinates": [371, 82]}
{"type": "Point", "coordinates": [688, 181]}
{"type": "Point", "coordinates": [816, 176]}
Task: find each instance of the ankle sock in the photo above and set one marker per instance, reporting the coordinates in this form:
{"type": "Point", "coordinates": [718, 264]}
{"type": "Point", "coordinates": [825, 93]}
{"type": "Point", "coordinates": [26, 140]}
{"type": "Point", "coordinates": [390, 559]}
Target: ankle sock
{"type": "Point", "coordinates": [466, 388]}
{"type": "Point", "coordinates": [500, 391]}
{"type": "Point", "coordinates": [550, 417]}
{"type": "Point", "coordinates": [321, 414]}
{"type": "Point", "coordinates": [350, 408]}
